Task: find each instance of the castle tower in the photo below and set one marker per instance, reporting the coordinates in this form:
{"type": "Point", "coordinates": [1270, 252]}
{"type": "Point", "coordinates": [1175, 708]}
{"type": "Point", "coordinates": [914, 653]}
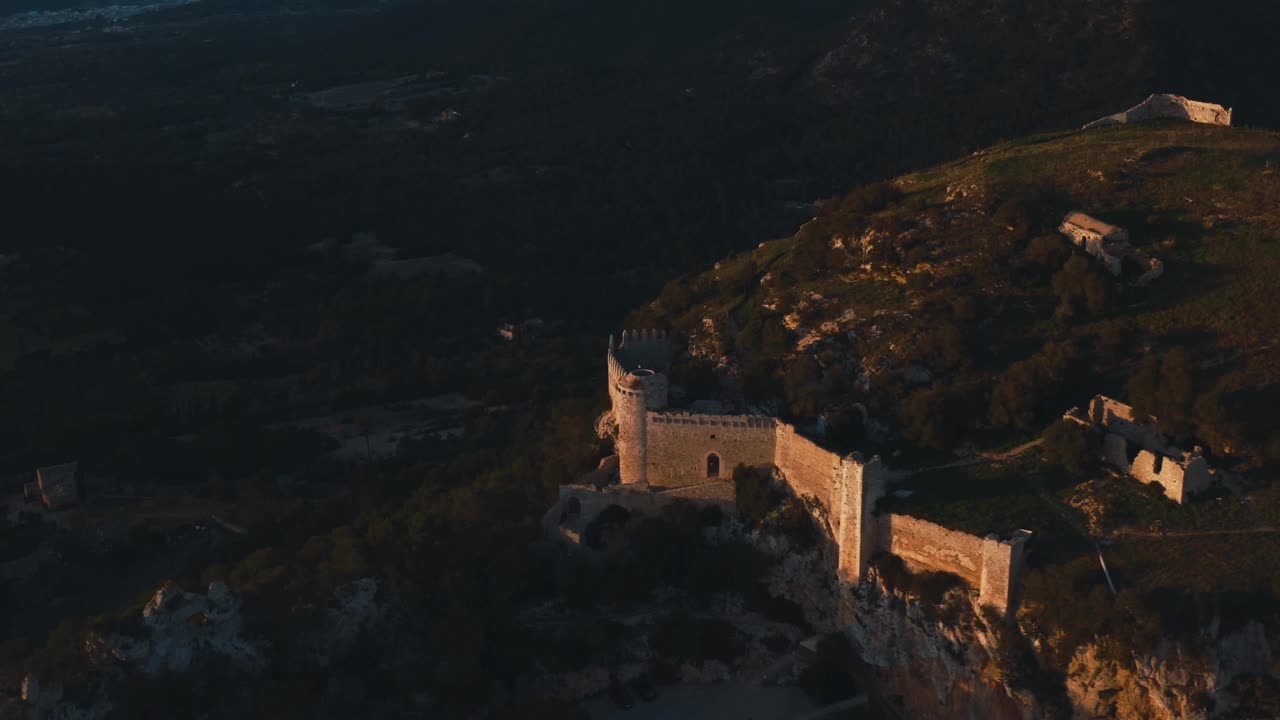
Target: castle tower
{"type": "Point", "coordinates": [637, 384]}
{"type": "Point", "coordinates": [861, 487]}
{"type": "Point", "coordinates": [630, 408]}
{"type": "Point", "coordinates": [1003, 562]}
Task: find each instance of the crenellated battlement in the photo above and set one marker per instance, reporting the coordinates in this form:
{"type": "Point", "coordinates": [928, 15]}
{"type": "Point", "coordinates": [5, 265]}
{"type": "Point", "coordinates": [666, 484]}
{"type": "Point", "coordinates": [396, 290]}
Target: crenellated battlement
{"type": "Point", "coordinates": [671, 417]}
{"type": "Point", "coordinates": [642, 349]}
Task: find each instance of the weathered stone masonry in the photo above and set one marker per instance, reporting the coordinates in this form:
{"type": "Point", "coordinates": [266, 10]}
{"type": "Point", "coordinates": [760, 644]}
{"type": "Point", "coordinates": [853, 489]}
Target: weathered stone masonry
{"type": "Point", "coordinates": [1141, 450]}
{"type": "Point", "coordinates": [660, 448]}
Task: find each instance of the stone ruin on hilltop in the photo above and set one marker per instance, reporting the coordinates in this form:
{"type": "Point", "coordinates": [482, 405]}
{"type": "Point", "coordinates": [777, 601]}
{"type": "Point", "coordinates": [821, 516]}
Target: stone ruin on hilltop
{"type": "Point", "coordinates": [1167, 106]}
{"type": "Point", "coordinates": [1141, 450]}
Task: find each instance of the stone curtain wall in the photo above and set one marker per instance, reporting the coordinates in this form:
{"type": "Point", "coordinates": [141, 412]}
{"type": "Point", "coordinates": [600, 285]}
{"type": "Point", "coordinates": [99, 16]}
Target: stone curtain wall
{"type": "Point", "coordinates": [928, 546]}
{"type": "Point", "coordinates": [809, 469]}
{"type": "Point", "coordinates": [1003, 562]}
{"type": "Point", "coordinates": [1179, 479]}
{"type": "Point", "coordinates": [678, 445]}
{"type": "Point", "coordinates": [991, 565]}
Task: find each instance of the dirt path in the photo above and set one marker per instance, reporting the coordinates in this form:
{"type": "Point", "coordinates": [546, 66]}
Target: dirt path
{"type": "Point", "coordinates": [983, 456]}
{"type": "Point", "coordinates": [1013, 452]}
{"type": "Point", "coordinates": [1127, 532]}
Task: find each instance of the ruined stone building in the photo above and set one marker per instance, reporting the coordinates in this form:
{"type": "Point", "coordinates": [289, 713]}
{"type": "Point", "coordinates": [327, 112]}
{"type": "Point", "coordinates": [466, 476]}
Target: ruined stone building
{"type": "Point", "coordinates": [56, 486]}
{"type": "Point", "coordinates": [661, 450]}
{"type": "Point", "coordinates": [1141, 450]}
{"type": "Point", "coordinates": [1109, 244]}
{"type": "Point", "coordinates": [1168, 106]}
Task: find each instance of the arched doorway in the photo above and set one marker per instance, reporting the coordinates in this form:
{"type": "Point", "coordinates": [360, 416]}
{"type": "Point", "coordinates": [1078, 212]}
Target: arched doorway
{"type": "Point", "coordinates": [713, 465]}
{"type": "Point", "coordinates": [574, 507]}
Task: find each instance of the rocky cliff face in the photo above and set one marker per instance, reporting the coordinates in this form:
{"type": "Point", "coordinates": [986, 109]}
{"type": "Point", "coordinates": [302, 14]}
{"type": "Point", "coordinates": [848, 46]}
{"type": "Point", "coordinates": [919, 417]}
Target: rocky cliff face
{"type": "Point", "coordinates": [932, 667]}
{"type": "Point", "coordinates": [179, 631]}
{"type": "Point", "coordinates": [1173, 683]}
{"type": "Point", "coordinates": [934, 664]}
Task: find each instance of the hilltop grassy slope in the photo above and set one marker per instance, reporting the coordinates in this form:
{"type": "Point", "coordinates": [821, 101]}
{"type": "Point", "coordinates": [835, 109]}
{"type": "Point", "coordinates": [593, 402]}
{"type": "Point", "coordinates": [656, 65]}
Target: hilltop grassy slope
{"type": "Point", "coordinates": [958, 270]}
{"type": "Point", "coordinates": [946, 304]}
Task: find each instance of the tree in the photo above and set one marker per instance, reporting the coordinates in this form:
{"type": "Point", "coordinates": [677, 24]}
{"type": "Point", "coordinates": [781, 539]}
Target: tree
{"type": "Point", "coordinates": [735, 277]}
{"type": "Point", "coordinates": [1015, 397]}
{"type": "Point", "coordinates": [1144, 388]}
{"type": "Point", "coordinates": [1014, 216]}
{"type": "Point", "coordinates": [1067, 445]}
{"type": "Point", "coordinates": [1176, 391]}
{"type": "Point", "coordinates": [1047, 251]}
{"type": "Point", "coordinates": [1165, 389]}
{"type": "Point", "coordinates": [752, 494]}
{"type": "Point", "coordinates": [805, 391]}
{"type": "Point", "coordinates": [928, 418]}
{"type": "Point", "coordinates": [1079, 284]}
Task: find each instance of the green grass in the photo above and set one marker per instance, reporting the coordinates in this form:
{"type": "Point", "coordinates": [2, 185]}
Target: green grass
{"type": "Point", "coordinates": [985, 498]}
{"type": "Point", "coordinates": [1222, 563]}
{"type": "Point", "coordinates": [1143, 507]}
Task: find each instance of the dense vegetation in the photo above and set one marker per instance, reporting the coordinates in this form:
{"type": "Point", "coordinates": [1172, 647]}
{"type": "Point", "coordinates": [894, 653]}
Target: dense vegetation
{"type": "Point", "coordinates": [163, 184]}
{"type": "Point", "coordinates": [946, 305]}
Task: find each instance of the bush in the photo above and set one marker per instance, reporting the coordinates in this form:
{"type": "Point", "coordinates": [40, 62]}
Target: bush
{"type": "Point", "coordinates": [752, 493]}
{"type": "Point", "coordinates": [930, 418]}
{"type": "Point", "coordinates": [1164, 389]}
{"type": "Point", "coordinates": [596, 532]}
{"type": "Point", "coordinates": [1067, 444]}
{"type": "Point", "coordinates": [1079, 285]}
{"type": "Point", "coordinates": [1047, 251]}
{"type": "Point", "coordinates": [683, 638]}
{"type": "Point", "coordinates": [794, 520]}
{"type": "Point", "coordinates": [830, 678]}
{"type": "Point", "coordinates": [871, 198]}
{"type": "Point", "coordinates": [1014, 216]}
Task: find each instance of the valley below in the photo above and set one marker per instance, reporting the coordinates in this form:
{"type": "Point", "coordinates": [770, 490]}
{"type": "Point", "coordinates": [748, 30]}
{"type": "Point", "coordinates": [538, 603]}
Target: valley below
{"type": "Point", "coordinates": [316, 295]}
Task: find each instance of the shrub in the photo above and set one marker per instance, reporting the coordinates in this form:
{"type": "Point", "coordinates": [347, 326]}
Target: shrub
{"type": "Point", "coordinates": [751, 490]}
{"type": "Point", "coordinates": [1047, 251]}
{"type": "Point", "coordinates": [1014, 216]}
{"type": "Point", "coordinates": [613, 516]}
{"type": "Point", "coordinates": [830, 678]}
{"type": "Point", "coordinates": [930, 418]}
{"type": "Point", "coordinates": [1067, 445]}
{"type": "Point", "coordinates": [871, 198]}
{"type": "Point", "coordinates": [1079, 285]}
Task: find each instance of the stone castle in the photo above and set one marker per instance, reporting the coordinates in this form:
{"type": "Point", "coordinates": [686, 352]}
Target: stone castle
{"type": "Point", "coordinates": [661, 449]}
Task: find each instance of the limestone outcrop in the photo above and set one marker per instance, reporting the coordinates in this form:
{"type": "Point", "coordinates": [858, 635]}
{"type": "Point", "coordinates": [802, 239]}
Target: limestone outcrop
{"type": "Point", "coordinates": [179, 628]}
{"type": "Point", "coordinates": [932, 668]}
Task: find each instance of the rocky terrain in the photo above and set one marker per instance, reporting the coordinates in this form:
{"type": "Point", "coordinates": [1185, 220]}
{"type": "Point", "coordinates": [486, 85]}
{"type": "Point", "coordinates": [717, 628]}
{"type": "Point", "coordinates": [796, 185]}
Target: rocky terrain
{"type": "Point", "coordinates": [191, 192]}
{"type": "Point", "coordinates": [927, 666]}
